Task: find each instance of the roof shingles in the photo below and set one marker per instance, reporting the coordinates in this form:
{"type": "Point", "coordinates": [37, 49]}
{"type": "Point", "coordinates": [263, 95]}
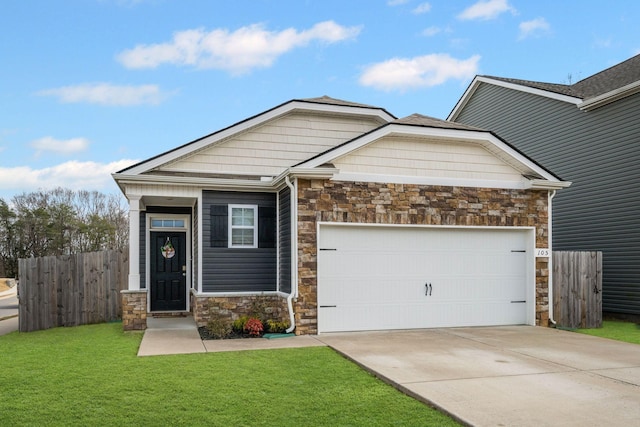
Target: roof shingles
{"type": "Point", "coordinates": [612, 78]}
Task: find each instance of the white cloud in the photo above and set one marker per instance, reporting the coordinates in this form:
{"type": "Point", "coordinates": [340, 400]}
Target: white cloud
{"type": "Point", "coordinates": [421, 8]}
{"type": "Point", "coordinates": [237, 52]}
{"type": "Point", "coordinates": [533, 28]}
{"type": "Point", "coordinates": [419, 72]}
{"type": "Point", "coordinates": [108, 94]}
{"type": "Point", "coordinates": [74, 175]}
{"type": "Point", "coordinates": [431, 31]}
{"type": "Point", "coordinates": [485, 10]}
{"type": "Point", "coordinates": [58, 146]}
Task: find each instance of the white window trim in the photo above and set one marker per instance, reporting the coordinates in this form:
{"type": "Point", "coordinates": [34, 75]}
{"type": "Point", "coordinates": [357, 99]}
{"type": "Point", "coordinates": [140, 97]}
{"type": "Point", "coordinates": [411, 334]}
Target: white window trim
{"type": "Point", "coordinates": [231, 226]}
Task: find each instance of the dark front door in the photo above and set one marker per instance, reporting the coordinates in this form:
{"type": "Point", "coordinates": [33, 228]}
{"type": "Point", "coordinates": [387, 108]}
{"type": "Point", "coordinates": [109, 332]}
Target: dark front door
{"type": "Point", "coordinates": [168, 271]}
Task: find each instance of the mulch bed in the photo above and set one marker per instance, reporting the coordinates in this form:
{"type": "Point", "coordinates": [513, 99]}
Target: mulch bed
{"type": "Point", "coordinates": [205, 335]}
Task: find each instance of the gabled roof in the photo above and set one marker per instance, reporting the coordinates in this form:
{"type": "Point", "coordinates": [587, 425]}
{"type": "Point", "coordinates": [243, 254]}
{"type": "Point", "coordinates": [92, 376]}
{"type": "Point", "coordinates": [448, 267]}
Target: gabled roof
{"type": "Point", "coordinates": [322, 104]}
{"type": "Point", "coordinates": [602, 88]}
{"type": "Point", "coordinates": [427, 121]}
{"type": "Point", "coordinates": [419, 128]}
{"type": "Point", "coordinates": [417, 125]}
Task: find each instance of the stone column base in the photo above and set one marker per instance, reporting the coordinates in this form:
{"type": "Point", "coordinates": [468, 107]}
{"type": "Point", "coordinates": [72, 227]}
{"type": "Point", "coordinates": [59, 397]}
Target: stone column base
{"type": "Point", "coordinates": [134, 310]}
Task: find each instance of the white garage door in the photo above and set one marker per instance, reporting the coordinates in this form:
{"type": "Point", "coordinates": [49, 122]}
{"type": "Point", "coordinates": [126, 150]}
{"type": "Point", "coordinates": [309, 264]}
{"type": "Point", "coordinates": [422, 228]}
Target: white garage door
{"type": "Point", "coordinates": [378, 277]}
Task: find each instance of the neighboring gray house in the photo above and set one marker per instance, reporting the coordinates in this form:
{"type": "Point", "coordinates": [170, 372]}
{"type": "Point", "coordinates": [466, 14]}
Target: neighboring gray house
{"type": "Point", "coordinates": [338, 217]}
{"type": "Point", "coordinates": [588, 133]}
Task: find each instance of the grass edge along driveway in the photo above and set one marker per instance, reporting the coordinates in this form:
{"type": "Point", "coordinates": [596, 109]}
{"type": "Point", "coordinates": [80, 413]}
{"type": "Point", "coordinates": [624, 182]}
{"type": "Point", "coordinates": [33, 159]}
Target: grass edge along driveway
{"type": "Point", "coordinates": [90, 375]}
{"type": "Point", "coordinates": [618, 330]}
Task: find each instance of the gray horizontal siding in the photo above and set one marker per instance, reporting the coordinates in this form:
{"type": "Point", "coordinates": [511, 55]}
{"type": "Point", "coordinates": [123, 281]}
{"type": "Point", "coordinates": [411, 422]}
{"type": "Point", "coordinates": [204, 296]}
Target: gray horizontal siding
{"type": "Point", "coordinates": [233, 269]}
{"type": "Point", "coordinates": [599, 151]}
{"type": "Point", "coordinates": [284, 239]}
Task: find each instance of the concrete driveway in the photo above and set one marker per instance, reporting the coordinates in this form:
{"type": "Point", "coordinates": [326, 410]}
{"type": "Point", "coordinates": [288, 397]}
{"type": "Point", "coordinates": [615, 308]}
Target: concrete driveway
{"type": "Point", "coordinates": [506, 376]}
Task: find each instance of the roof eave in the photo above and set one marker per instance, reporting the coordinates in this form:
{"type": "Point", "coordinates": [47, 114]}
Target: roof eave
{"type": "Point", "coordinates": [609, 97]}
{"type": "Point", "coordinates": [225, 183]}
{"type": "Point", "coordinates": [509, 85]}
{"type": "Point", "coordinates": [544, 184]}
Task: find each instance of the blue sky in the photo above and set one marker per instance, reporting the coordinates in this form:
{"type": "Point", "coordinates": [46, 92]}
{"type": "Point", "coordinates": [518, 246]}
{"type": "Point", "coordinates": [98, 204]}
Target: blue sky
{"type": "Point", "coordinates": [88, 87]}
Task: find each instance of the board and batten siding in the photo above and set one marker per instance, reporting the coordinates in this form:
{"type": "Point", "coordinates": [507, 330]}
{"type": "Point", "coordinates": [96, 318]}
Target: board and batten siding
{"type": "Point", "coordinates": [236, 269]}
{"type": "Point", "coordinates": [395, 155]}
{"type": "Point", "coordinates": [276, 145]}
{"type": "Point", "coordinates": [284, 239]}
{"type": "Point", "coordinates": [599, 151]}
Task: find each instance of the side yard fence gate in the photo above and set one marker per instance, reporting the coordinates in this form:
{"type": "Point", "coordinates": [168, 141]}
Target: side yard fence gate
{"type": "Point", "coordinates": [577, 289]}
{"type": "Point", "coordinates": [71, 290]}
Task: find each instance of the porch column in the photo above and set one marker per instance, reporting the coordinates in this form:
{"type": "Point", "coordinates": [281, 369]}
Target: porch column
{"type": "Point", "coordinates": [134, 243]}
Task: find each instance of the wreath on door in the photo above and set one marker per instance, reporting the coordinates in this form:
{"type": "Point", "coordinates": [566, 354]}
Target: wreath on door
{"type": "Point", "coordinates": [168, 251]}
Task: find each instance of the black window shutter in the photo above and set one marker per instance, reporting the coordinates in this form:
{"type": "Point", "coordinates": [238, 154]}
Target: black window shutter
{"type": "Point", "coordinates": [266, 227]}
{"type": "Point", "coordinates": [219, 226]}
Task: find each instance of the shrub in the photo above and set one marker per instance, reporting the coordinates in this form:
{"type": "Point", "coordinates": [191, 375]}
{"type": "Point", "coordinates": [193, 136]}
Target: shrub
{"type": "Point", "coordinates": [254, 327]}
{"type": "Point", "coordinates": [238, 324]}
{"type": "Point", "coordinates": [276, 327]}
{"type": "Point", "coordinates": [259, 308]}
{"type": "Point", "coordinates": [219, 328]}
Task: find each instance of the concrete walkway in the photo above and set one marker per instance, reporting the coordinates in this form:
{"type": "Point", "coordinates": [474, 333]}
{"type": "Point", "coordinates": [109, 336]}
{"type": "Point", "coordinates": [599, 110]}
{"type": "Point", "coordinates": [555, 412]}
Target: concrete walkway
{"type": "Point", "coordinates": [180, 335]}
{"type": "Point", "coordinates": [506, 376]}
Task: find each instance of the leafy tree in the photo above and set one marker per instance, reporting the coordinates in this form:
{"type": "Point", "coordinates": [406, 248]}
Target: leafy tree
{"type": "Point", "coordinates": [60, 221]}
{"type": "Point", "coordinates": [8, 249]}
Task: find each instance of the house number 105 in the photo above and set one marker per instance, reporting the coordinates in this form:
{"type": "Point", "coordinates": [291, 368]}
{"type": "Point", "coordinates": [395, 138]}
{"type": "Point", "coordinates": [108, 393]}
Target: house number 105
{"type": "Point", "coordinates": [542, 252]}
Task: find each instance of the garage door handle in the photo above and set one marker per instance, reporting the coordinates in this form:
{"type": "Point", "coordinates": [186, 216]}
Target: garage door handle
{"type": "Point", "coordinates": [518, 302]}
{"type": "Point", "coordinates": [428, 289]}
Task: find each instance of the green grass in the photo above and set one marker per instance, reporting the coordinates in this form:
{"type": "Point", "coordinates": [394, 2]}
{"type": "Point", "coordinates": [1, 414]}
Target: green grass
{"type": "Point", "coordinates": [90, 375]}
{"type": "Point", "coordinates": [616, 330]}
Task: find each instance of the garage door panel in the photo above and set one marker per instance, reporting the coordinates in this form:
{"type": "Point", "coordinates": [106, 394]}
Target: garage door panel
{"type": "Point", "coordinates": [375, 277]}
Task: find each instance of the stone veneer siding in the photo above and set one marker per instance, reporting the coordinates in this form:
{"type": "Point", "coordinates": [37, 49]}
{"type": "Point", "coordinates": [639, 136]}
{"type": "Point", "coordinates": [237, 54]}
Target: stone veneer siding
{"type": "Point", "coordinates": [233, 307]}
{"type": "Point", "coordinates": [376, 203]}
{"type": "Point", "coordinates": [134, 310]}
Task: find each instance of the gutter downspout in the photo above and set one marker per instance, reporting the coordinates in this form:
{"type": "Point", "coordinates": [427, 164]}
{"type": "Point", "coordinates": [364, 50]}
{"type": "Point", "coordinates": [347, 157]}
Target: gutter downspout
{"type": "Point", "coordinates": [293, 202]}
{"type": "Point", "coordinates": [550, 219]}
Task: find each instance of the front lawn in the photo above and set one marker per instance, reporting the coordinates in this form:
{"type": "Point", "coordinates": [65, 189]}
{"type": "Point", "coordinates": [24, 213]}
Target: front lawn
{"type": "Point", "coordinates": [90, 375]}
{"type": "Point", "coordinates": [616, 330]}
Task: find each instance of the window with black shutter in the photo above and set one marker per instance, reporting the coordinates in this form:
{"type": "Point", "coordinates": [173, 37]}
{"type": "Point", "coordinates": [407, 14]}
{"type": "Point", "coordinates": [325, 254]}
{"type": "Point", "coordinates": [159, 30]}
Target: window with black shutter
{"type": "Point", "coordinates": [266, 227]}
{"type": "Point", "coordinates": [233, 226]}
{"type": "Point", "coordinates": [219, 226]}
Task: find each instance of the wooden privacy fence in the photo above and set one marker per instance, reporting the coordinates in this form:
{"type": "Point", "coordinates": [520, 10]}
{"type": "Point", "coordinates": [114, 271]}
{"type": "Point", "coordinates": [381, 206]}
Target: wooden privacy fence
{"type": "Point", "coordinates": [71, 290]}
{"type": "Point", "coordinates": [577, 289]}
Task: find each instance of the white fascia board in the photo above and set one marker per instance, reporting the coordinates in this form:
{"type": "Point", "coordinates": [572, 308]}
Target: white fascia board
{"type": "Point", "coordinates": [609, 97]}
{"type": "Point", "coordinates": [514, 86]}
{"type": "Point", "coordinates": [541, 184]}
{"type": "Point", "coordinates": [317, 173]}
{"type": "Point", "coordinates": [226, 183]}
{"type": "Point", "coordinates": [484, 138]}
{"type": "Point", "coordinates": [248, 184]}
{"type": "Point", "coordinates": [252, 122]}
{"type": "Point", "coordinates": [464, 99]}
{"type": "Point", "coordinates": [428, 180]}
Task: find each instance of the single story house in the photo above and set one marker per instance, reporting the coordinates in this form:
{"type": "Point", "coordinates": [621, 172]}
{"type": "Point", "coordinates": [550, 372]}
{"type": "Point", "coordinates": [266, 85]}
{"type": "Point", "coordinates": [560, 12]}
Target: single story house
{"type": "Point", "coordinates": [341, 217]}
